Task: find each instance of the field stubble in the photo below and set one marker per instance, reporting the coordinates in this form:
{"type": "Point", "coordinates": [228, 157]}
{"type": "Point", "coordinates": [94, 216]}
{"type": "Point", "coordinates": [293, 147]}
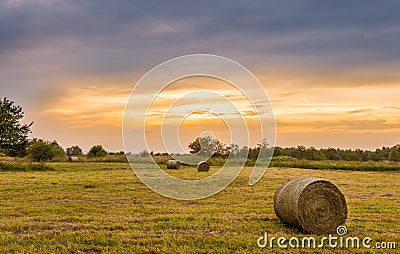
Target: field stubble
{"type": "Point", "coordinates": [103, 207]}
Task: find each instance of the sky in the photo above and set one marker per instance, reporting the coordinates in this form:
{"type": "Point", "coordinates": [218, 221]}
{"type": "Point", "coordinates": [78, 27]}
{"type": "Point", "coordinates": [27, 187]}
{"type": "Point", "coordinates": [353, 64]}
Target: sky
{"type": "Point", "coordinates": [330, 68]}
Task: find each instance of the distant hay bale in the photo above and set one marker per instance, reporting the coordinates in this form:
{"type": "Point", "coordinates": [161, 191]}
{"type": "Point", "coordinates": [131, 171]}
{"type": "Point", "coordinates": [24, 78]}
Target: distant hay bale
{"type": "Point", "coordinates": [73, 159]}
{"type": "Point", "coordinates": [313, 205]}
{"type": "Point", "coordinates": [173, 164]}
{"type": "Point", "coordinates": [203, 166]}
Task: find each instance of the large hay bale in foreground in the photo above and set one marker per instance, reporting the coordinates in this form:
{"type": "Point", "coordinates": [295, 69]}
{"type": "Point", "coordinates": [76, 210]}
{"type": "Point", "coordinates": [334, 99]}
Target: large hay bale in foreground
{"type": "Point", "coordinates": [313, 205]}
{"type": "Point", "coordinates": [173, 164]}
{"type": "Point", "coordinates": [203, 166]}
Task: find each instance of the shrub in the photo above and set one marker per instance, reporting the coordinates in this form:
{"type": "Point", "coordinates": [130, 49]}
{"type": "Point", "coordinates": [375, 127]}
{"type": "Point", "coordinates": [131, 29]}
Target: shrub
{"type": "Point", "coordinates": [40, 150]}
{"type": "Point", "coordinates": [17, 167]}
{"type": "Point", "coordinates": [74, 151]}
{"type": "Point", "coordinates": [97, 151]}
{"type": "Point", "coordinates": [394, 155]}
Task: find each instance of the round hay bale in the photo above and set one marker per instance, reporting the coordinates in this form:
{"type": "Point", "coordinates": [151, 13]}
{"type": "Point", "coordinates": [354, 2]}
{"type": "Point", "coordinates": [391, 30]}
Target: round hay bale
{"type": "Point", "coordinates": [173, 164]}
{"type": "Point", "coordinates": [313, 205]}
{"type": "Point", "coordinates": [203, 166]}
{"type": "Point", "coordinates": [73, 159]}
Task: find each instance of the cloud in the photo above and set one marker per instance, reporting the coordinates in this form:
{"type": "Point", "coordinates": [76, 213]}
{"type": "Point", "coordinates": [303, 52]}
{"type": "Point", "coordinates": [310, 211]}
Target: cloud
{"type": "Point", "coordinates": [309, 32]}
{"type": "Point", "coordinates": [337, 125]}
{"type": "Point", "coordinates": [76, 61]}
{"type": "Point", "coordinates": [362, 110]}
{"type": "Point", "coordinates": [87, 107]}
{"type": "Point", "coordinates": [307, 44]}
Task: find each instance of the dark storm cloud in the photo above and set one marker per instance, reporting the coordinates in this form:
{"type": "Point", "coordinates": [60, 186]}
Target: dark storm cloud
{"type": "Point", "coordinates": [31, 23]}
{"type": "Point", "coordinates": [300, 47]}
{"type": "Point", "coordinates": [290, 27]}
{"type": "Point", "coordinates": [101, 37]}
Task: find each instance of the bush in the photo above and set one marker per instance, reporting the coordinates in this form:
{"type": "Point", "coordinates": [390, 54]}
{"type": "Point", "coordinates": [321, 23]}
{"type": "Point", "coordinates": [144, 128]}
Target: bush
{"type": "Point", "coordinates": [74, 151]}
{"type": "Point", "coordinates": [394, 155]}
{"type": "Point", "coordinates": [40, 150]}
{"type": "Point", "coordinates": [97, 151]}
{"type": "Point", "coordinates": [22, 167]}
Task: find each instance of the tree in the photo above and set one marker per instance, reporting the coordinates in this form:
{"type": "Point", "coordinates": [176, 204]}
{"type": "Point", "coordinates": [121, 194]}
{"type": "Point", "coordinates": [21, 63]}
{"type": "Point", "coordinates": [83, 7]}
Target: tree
{"type": "Point", "coordinates": [279, 151]}
{"type": "Point", "coordinates": [372, 156]}
{"type": "Point", "coordinates": [144, 154]}
{"type": "Point", "coordinates": [13, 134]}
{"type": "Point", "coordinates": [244, 152]}
{"type": "Point", "coordinates": [208, 146]}
{"type": "Point", "coordinates": [265, 152]}
{"type": "Point", "coordinates": [56, 149]}
{"type": "Point", "coordinates": [253, 153]}
{"type": "Point", "coordinates": [234, 150]}
{"type": "Point", "coordinates": [393, 155]}
{"type": "Point", "coordinates": [74, 151]}
{"type": "Point", "coordinates": [97, 151]}
{"type": "Point", "coordinates": [221, 150]}
{"type": "Point", "coordinates": [40, 150]}
{"type": "Point", "coordinates": [204, 146]}
{"type": "Point", "coordinates": [300, 152]}
{"type": "Point", "coordinates": [318, 155]}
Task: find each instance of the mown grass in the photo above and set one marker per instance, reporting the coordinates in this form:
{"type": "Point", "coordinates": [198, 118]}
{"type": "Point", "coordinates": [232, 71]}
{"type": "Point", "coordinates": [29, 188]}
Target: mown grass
{"type": "Point", "coordinates": [279, 161]}
{"type": "Point", "coordinates": [288, 162]}
{"type": "Point", "coordinates": [340, 165]}
{"type": "Point", "coordinates": [104, 208]}
{"type": "Point", "coordinates": [24, 166]}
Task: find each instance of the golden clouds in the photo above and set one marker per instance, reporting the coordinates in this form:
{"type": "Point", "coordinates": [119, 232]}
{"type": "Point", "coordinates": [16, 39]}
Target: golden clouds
{"type": "Point", "coordinates": [88, 107]}
{"type": "Point", "coordinates": [300, 110]}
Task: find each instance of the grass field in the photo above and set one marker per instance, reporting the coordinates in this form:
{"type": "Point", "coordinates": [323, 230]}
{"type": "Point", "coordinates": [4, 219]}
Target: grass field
{"type": "Point", "coordinates": [104, 208]}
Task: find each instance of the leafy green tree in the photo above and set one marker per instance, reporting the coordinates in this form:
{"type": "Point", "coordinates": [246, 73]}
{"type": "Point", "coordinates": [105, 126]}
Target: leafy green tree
{"type": "Point", "coordinates": [265, 152]}
{"type": "Point", "coordinates": [74, 151]}
{"type": "Point", "coordinates": [300, 152]}
{"type": "Point", "coordinates": [97, 151]}
{"type": "Point", "coordinates": [221, 150]}
{"type": "Point", "coordinates": [372, 156]}
{"type": "Point", "coordinates": [144, 154]}
{"type": "Point", "coordinates": [318, 155]}
{"type": "Point", "coordinates": [279, 151]}
{"type": "Point", "coordinates": [40, 150]}
{"type": "Point", "coordinates": [331, 153]}
{"type": "Point", "coordinates": [383, 154]}
{"type": "Point", "coordinates": [393, 155]}
{"type": "Point", "coordinates": [56, 149]}
{"type": "Point", "coordinates": [13, 134]}
{"type": "Point", "coordinates": [234, 150]}
{"type": "Point", "coordinates": [204, 146]}
{"type": "Point", "coordinates": [253, 153]}
{"type": "Point", "coordinates": [244, 152]}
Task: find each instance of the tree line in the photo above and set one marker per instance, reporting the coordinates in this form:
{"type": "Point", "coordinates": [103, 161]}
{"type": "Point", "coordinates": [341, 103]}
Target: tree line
{"type": "Point", "coordinates": [14, 142]}
{"type": "Point", "coordinates": [299, 152]}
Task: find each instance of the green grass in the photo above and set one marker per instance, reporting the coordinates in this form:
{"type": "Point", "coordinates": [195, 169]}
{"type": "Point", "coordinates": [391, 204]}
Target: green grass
{"type": "Point", "coordinates": [340, 165]}
{"type": "Point", "coordinates": [18, 166]}
{"type": "Point", "coordinates": [288, 162]}
{"type": "Point", "coordinates": [90, 207]}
